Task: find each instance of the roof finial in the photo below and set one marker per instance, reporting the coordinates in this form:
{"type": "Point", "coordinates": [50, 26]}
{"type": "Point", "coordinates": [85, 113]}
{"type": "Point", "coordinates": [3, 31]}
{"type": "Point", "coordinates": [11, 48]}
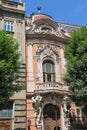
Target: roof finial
{"type": "Point", "coordinates": [38, 8]}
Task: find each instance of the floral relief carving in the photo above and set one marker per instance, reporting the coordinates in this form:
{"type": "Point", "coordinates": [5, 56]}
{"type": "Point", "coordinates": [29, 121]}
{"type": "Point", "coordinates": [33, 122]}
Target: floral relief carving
{"type": "Point", "coordinates": [52, 50]}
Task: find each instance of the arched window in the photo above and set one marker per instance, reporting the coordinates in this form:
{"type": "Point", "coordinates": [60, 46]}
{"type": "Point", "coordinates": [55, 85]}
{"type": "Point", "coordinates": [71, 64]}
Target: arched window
{"type": "Point", "coordinates": [48, 71]}
{"type": "Point", "coordinates": [45, 29]}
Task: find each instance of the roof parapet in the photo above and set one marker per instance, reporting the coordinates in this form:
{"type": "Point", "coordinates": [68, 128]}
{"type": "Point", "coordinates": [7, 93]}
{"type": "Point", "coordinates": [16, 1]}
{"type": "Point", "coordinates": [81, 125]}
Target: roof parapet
{"type": "Point", "coordinates": [13, 6]}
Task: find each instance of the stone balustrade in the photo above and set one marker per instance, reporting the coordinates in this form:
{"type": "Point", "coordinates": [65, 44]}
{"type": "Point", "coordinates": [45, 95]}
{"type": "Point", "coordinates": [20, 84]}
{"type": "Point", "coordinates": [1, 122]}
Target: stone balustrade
{"type": "Point", "coordinates": [51, 85]}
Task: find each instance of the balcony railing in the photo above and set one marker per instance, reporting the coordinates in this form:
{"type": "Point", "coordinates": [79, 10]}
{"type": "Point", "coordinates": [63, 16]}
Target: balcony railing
{"type": "Point", "coordinates": [51, 86]}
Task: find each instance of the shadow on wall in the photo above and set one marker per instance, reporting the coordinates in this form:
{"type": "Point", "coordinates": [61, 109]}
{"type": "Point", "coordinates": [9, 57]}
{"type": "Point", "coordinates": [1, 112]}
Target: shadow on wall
{"type": "Point", "coordinates": [20, 129]}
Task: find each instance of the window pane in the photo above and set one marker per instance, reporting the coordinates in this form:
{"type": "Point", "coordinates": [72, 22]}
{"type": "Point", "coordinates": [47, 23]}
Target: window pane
{"type": "Point", "coordinates": [48, 71]}
{"type": "Point", "coordinates": [12, 27]}
{"type": "Point", "coordinates": [8, 28]}
{"type": "Point", "coordinates": [52, 68]}
{"type": "Point", "coordinates": [43, 67]}
{"type": "Point", "coordinates": [8, 25]}
{"type": "Point", "coordinates": [48, 68]}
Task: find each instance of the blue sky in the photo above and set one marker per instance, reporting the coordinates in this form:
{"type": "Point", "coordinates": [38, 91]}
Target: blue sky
{"type": "Point", "coordinates": [65, 11]}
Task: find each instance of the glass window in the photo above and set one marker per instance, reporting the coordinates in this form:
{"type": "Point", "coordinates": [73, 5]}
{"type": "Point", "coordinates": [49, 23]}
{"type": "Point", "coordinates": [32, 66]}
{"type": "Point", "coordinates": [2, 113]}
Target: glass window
{"type": "Point", "coordinates": [8, 26]}
{"type": "Point", "coordinates": [48, 71]}
{"type": "Point", "coordinates": [6, 111]}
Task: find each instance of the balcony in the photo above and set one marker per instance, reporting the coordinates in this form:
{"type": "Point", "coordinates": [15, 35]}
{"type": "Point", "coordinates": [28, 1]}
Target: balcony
{"type": "Point", "coordinates": [51, 87]}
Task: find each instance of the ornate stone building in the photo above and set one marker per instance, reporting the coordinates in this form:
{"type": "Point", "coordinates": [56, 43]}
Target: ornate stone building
{"type": "Point", "coordinates": [48, 103]}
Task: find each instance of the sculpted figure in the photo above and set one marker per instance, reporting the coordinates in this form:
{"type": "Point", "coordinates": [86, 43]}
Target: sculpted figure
{"type": "Point", "coordinates": [30, 25]}
{"type": "Point", "coordinates": [37, 101]}
{"type": "Point", "coordinates": [66, 111]}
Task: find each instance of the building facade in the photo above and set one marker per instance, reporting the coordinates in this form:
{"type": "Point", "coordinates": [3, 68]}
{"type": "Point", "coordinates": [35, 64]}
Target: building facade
{"type": "Point", "coordinates": [45, 102]}
{"type": "Point", "coordinates": [48, 98]}
{"type": "Point", "coordinates": [12, 20]}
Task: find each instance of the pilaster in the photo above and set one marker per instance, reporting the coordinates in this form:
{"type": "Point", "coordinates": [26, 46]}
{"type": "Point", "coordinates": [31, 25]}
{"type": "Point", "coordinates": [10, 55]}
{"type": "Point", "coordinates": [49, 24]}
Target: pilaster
{"type": "Point", "coordinates": [62, 59]}
{"type": "Point", "coordinates": [30, 71]}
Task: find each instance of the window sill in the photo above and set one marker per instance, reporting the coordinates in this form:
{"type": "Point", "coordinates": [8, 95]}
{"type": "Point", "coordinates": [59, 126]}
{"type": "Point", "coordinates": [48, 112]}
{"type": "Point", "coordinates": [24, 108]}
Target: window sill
{"type": "Point", "coordinates": [9, 32]}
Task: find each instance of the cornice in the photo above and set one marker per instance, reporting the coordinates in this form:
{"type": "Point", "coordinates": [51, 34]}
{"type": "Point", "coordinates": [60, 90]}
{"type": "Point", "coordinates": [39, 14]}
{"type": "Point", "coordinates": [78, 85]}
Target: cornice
{"type": "Point", "coordinates": [11, 6]}
{"type": "Point", "coordinates": [12, 10]}
{"type": "Point", "coordinates": [48, 37]}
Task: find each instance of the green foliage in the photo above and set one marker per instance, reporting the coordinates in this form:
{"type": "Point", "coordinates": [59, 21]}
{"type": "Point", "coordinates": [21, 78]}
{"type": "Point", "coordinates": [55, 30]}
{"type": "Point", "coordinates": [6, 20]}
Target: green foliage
{"type": "Point", "coordinates": [9, 66]}
{"type": "Point", "coordinates": [76, 67]}
{"type": "Point", "coordinates": [85, 109]}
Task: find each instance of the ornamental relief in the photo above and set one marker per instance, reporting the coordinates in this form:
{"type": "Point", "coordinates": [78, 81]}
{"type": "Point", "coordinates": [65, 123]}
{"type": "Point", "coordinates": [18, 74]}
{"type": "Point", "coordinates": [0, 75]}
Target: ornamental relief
{"type": "Point", "coordinates": [33, 28]}
{"type": "Point", "coordinates": [29, 26]}
{"type": "Point", "coordinates": [51, 98]}
{"type": "Point", "coordinates": [47, 50]}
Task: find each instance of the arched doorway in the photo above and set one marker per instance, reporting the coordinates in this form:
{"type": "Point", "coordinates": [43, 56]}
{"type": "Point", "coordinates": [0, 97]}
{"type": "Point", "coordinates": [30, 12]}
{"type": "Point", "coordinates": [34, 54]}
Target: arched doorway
{"type": "Point", "coordinates": [51, 115]}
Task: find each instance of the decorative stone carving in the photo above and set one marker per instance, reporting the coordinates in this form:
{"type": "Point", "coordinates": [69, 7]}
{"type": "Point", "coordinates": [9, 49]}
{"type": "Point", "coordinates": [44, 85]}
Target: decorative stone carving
{"type": "Point", "coordinates": [57, 32]}
{"type": "Point", "coordinates": [66, 110]}
{"type": "Point", "coordinates": [44, 48]}
{"type": "Point", "coordinates": [50, 98]}
{"type": "Point", "coordinates": [34, 28]}
{"type": "Point", "coordinates": [29, 25]}
{"type": "Point", "coordinates": [37, 101]}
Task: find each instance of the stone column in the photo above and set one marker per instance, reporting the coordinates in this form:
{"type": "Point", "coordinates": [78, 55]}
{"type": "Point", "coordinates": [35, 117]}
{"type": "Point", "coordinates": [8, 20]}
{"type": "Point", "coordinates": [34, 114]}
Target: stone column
{"type": "Point", "coordinates": [30, 62]}
{"type": "Point", "coordinates": [40, 69]}
{"type": "Point", "coordinates": [30, 72]}
{"type": "Point", "coordinates": [63, 62]}
{"type": "Point", "coordinates": [63, 119]}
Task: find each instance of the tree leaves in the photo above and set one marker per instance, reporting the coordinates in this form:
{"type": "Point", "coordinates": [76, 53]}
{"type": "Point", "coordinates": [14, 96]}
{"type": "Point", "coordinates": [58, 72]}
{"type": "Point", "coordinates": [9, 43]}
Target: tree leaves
{"type": "Point", "coordinates": [76, 67]}
{"type": "Point", "coordinates": [9, 66]}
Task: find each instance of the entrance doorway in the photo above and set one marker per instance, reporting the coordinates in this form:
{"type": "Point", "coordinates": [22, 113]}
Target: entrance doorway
{"type": "Point", "coordinates": [51, 115]}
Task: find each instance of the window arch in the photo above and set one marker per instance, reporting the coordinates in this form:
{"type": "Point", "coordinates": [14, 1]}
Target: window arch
{"type": "Point", "coordinates": [45, 28]}
{"type": "Point", "coordinates": [48, 71]}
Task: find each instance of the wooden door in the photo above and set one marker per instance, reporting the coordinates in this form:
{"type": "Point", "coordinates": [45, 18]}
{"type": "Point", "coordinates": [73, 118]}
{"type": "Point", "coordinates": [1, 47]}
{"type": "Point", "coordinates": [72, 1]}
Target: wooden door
{"type": "Point", "coordinates": [51, 117]}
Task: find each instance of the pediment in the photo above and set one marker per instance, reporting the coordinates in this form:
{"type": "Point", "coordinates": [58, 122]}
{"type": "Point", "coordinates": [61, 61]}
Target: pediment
{"type": "Point", "coordinates": [45, 26]}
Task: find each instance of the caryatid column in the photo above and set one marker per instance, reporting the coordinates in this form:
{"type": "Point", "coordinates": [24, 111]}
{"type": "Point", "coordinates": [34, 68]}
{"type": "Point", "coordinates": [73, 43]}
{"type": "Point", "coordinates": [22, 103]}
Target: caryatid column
{"type": "Point", "coordinates": [38, 106]}
{"type": "Point", "coordinates": [66, 113]}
